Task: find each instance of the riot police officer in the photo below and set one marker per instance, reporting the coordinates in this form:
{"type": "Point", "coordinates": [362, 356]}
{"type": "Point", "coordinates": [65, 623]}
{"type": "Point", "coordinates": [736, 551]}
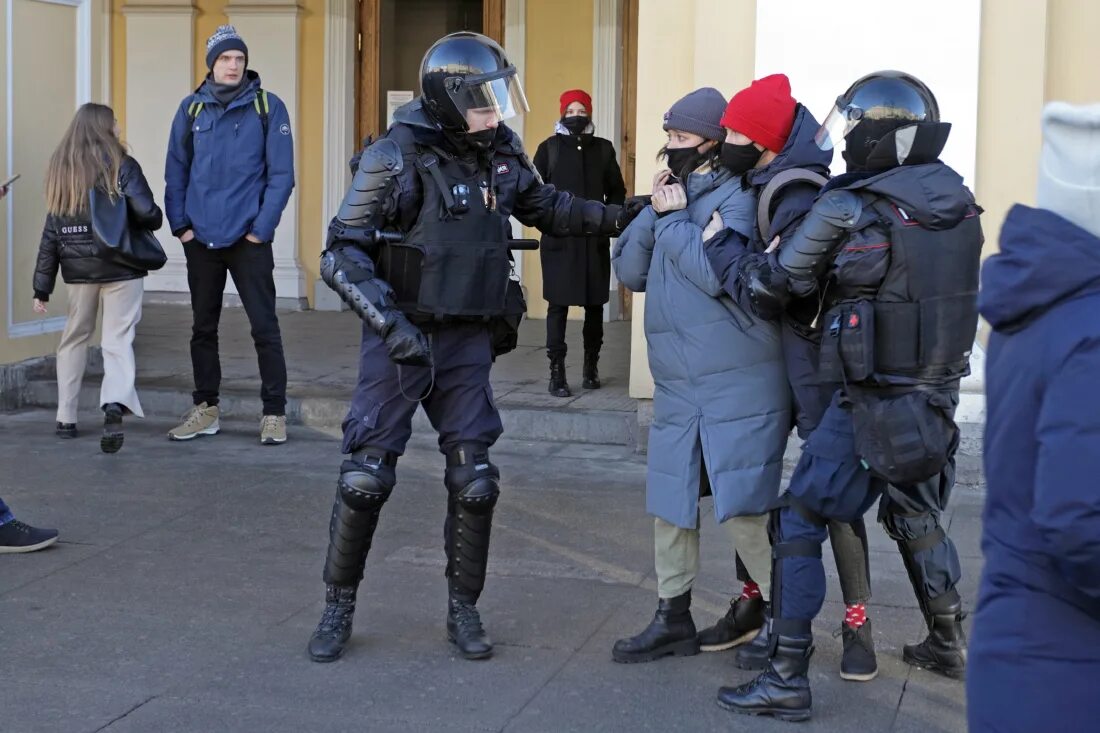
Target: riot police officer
{"type": "Point", "coordinates": [438, 305]}
{"type": "Point", "coordinates": [891, 249]}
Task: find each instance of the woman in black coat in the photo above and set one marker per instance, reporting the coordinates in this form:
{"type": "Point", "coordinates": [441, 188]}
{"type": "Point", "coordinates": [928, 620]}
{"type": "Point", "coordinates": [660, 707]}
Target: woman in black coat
{"type": "Point", "coordinates": [577, 270]}
{"type": "Point", "coordinates": [89, 156]}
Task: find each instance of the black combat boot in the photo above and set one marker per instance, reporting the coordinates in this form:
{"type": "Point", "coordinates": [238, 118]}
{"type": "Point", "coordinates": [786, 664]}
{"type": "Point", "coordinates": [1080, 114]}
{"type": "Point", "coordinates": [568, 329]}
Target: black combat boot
{"type": "Point", "coordinates": [465, 631]}
{"type": "Point", "coordinates": [112, 438]}
{"type": "Point", "coordinates": [783, 690]}
{"type": "Point", "coordinates": [672, 631]}
{"type": "Point", "coordinates": [744, 618]}
{"type": "Point", "coordinates": [944, 650]}
{"type": "Point", "coordinates": [366, 480]}
{"type": "Point", "coordinates": [756, 654]}
{"type": "Point", "coordinates": [558, 386]}
{"type": "Point", "coordinates": [332, 634]}
{"type": "Point", "coordinates": [591, 370]}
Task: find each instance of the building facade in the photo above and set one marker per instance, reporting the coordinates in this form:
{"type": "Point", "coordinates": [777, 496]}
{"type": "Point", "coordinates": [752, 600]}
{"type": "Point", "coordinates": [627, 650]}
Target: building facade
{"type": "Point", "coordinates": [342, 65]}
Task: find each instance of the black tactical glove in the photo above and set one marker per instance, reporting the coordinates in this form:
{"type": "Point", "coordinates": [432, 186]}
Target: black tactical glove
{"type": "Point", "coordinates": [629, 210]}
{"type": "Point", "coordinates": [767, 285]}
{"type": "Point", "coordinates": [405, 343]}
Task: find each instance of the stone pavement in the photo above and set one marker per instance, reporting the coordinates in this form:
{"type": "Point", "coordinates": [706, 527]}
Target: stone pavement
{"type": "Point", "coordinates": [188, 580]}
{"type": "Point", "coordinates": [322, 354]}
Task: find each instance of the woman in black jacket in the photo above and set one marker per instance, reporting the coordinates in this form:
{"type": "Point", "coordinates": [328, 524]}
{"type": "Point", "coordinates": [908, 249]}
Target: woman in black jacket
{"type": "Point", "coordinates": [577, 270]}
{"type": "Point", "coordinates": [91, 155]}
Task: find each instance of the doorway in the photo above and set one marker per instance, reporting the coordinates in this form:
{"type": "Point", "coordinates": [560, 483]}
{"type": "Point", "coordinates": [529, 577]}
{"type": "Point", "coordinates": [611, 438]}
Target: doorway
{"type": "Point", "coordinates": [393, 37]}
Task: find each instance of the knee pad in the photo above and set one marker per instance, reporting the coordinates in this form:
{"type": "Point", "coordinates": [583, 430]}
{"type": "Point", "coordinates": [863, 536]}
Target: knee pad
{"type": "Point", "coordinates": [367, 480]}
{"type": "Point", "coordinates": [472, 481]}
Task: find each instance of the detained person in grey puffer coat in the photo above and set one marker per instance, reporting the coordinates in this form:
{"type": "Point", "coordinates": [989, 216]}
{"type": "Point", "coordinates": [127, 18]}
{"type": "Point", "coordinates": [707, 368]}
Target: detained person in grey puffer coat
{"type": "Point", "coordinates": [721, 402]}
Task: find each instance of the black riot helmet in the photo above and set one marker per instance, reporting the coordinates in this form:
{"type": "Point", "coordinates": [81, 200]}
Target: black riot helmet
{"type": "Point", "coordinates": [887, 119]}
{"type": "Point", "coordinates": [468, 71]}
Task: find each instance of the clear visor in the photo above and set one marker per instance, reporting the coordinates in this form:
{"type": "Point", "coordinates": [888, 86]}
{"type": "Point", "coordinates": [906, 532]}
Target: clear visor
{"type": "Point", "coordinates": [837, 126]}
{"type": "Point", "coordinates": [498, 98]}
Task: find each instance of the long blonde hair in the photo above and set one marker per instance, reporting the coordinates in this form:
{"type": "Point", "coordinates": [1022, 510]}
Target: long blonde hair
{"type": "Point", "coordinates": [89, 155]}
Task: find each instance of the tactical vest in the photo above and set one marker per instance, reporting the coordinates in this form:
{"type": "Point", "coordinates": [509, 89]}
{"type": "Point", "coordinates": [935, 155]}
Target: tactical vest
{"type": "Point", "coordinates": [920, 325]}
{"type": "Point", "coordinates": [453, 264]}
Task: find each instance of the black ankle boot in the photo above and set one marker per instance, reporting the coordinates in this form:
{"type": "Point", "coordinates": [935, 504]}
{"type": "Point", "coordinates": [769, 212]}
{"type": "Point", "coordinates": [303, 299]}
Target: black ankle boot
{"type": "Point", "coordinates": [944, 650]}
{"type": "Point", "coordinates": [783, 690]}
{"type": "Point", "coordinates": [672, 631]}
{"type": "Point", "coordinates": [334, 630]}
{"type": "Point", "coordinates": [743, 619]}
{"type": "Point", "coordinates": [465, 631]}
{"type": "Point", "coordinates": [65, 430]}
{"type": "Point", "coordinates": [111, 442]}
{"type": "Point", "coordinates": [558, 386]}
{"type": "Point", "coordinates": [591, 370]}
{"type": "Point", "coordinates": [756, 654]}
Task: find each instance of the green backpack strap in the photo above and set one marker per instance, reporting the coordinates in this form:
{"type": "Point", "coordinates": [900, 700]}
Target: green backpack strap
{"type": "Point", "coordinates": [260, 104]}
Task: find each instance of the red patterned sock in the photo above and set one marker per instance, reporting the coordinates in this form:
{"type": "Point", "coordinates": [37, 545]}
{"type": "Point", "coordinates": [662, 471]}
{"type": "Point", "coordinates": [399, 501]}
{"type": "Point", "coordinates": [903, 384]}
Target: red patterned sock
{"type": "Point", "coordinates": [855, 616]}
{"type": "Point", "coordinates": [751, 590]}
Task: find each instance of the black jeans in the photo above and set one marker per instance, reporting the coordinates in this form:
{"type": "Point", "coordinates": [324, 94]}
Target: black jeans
{"type": "Point", "coordinates": [252, 267]}
{"type": "Point", "coordinates": [555, 329]}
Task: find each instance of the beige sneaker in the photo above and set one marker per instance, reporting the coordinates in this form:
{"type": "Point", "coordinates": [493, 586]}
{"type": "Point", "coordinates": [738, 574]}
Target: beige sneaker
{"type": "Point", "coordinates": [273, 429]}
{"type": "Point", "coordinates": [199, 420]}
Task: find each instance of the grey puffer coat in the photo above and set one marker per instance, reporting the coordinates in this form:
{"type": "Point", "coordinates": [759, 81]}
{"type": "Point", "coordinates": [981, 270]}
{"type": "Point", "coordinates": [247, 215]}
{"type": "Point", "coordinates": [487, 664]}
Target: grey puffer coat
{"type": "Point", "coordinates": [721, 402]}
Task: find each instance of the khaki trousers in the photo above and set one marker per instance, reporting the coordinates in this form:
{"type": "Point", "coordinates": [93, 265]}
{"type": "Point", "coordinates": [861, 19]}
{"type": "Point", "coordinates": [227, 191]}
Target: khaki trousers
{"type": "Point", "coordinates": [121, 313]}
{"type": "Point", "coordinates": [676, 553]}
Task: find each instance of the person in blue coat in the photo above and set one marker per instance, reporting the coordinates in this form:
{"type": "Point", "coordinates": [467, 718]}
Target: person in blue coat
{"type": "Point", "coordinates": [228, 176]}
{"type": "Point", "coordinates": [770, 146]}
{"type": "Point", "coordinates": [721, 405]}
{"type": "Point", "coordinates": [1037, 625]}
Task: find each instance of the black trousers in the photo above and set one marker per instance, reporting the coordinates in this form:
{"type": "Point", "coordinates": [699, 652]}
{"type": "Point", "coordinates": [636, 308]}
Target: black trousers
{"type": "Point", "coordinates": [555, 329]}
{"type": "Point", "coordinates": [252, 267]}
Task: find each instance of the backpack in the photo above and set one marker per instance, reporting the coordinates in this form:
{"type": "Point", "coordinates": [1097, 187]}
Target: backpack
{"type": "Point", "coordinates": [259, 103]}
{"type": "Point", "coordinates": [773, 187]}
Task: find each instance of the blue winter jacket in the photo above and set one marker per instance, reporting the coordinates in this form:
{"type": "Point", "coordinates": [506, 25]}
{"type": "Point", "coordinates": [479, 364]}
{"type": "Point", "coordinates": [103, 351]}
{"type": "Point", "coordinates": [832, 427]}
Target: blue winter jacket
{"type": "Point", "coordinates": [1035, 649]}
{"type": "Point", "coordinates": [223, 178]}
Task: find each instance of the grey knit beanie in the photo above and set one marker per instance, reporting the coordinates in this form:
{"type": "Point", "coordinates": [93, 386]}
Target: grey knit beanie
{"type": "Point", "coordinates": [699, 112]}
{"type": "Point", "coordinates": [225, 38]}
{"type": "Point", "coordinates": [1069, 166]}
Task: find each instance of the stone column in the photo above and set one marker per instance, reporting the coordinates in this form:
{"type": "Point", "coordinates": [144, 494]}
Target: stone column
{"type": "Point", "coordinates": [270, 28]}
{"type": "Point", "coordinates": [160, 44]}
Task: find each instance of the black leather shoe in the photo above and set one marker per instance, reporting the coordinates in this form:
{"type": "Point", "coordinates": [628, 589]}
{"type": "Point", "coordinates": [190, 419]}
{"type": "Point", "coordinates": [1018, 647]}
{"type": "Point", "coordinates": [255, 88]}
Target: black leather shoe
{"type": "Point", "coordinates": [782, 690]}
{"type": "Point", "coordinates": [859, 663]}
{"type": "Point", "coordinates": [671, 632]}
{"type": "Point", "coordinates": [944, 650]}
{"type": "Point", "coordinates": [757, 653]}
{"type": "Point", "coordinates": [465, 631]}
{"type": "Point", "coordinates": [744, 618]}
{"type": "Point", "coordinates": [591, 370]}
{"type": "Point", "coordinates": [558, 386]}
{"type": "Point", "coordinates": [65, 430]}
{"type": "Point", "coordinates": [332, 634]}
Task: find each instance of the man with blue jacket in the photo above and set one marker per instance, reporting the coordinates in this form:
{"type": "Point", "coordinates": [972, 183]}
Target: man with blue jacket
{"type": "Point", "coordinates": [228, 177]}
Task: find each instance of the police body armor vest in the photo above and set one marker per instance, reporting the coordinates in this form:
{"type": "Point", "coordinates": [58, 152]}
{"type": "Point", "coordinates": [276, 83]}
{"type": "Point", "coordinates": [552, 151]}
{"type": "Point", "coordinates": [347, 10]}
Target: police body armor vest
{"type": "Point", "coordinates": [453, 264]}
{"type": "Point", "coordinates": [920, 325]}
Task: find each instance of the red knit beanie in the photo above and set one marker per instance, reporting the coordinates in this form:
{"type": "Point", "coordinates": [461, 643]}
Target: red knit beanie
{"type": "Point", "coordinates": [764, 111]}
{"type": "Point", "coordinates": [576, 95]}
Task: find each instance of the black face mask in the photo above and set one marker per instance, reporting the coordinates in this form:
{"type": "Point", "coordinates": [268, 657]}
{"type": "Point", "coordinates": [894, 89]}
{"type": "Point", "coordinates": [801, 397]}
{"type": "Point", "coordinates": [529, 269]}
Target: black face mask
{"type": "Point", "coordinates": [682, 161]}
{"type": "Point", "coordinates": [482, 139]}
{"type": "Point", "coordinates": [740, 158]}
{"type": "Point", "coordinates": [576, 124]}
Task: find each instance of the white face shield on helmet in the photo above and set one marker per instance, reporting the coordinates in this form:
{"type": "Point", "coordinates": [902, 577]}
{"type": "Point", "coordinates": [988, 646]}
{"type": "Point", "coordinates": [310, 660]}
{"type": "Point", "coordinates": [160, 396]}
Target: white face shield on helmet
{"type": "Point", "coordinates": [841, 120]}
{"type": "Point", "coordinates": [497, 96]}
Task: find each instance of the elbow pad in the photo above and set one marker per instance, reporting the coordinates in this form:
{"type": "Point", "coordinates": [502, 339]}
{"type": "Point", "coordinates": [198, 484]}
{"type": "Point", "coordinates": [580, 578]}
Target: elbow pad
{"type": "Point", "coordinates": [805, 256]}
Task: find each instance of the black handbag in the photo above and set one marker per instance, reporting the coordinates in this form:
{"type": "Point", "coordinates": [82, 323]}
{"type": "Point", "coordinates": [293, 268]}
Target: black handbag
{"type": "Point", "coordinates": [118, 239]}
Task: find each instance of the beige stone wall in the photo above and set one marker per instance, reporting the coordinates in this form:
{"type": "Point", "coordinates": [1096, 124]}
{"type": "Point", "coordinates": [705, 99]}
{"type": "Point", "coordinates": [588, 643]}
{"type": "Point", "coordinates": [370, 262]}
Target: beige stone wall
{"type": "Point", "coordinates": [681, 48]}
{"type": "Point", "coordinates": [41, 99]}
